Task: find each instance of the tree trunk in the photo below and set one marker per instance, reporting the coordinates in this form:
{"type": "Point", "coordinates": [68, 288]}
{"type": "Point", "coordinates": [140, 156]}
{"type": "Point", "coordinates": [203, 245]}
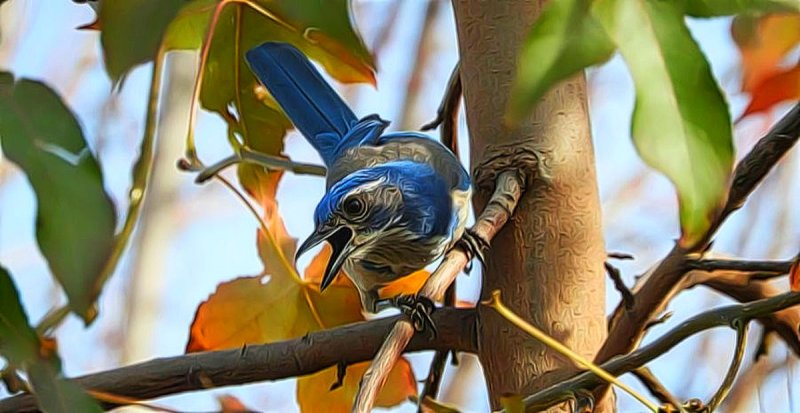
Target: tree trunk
{"type": "Point", "coordinates": [548, 261]}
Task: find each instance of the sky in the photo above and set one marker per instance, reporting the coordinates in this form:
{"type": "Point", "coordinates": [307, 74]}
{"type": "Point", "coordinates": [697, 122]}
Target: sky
{"type": "Point", "coordinates": [211, 236]}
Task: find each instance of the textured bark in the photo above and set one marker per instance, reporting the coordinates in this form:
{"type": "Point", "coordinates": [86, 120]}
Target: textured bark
{"type": "Point", "coordinates": [548, 262]}
{"type": "Point", "coordinates": [260, 362]}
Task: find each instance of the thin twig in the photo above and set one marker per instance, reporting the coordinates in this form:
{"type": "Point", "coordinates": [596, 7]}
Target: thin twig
{"type": "Point", "coordinates": [447, 114]}
{"type": "Point", "coordinates": [765, 267]}
{"type": "Point", "coordinates": [319, 350]}
{"type": "Point", "coordinates": [256, 158]}
{"type": "Point", "coordinates": [508, 190]}
{"type": "Point", "coordinates": [738, 355]}
{"type": "Point", "coordinates": [619, 255]}
{"type": "Point", "coordinates": [616, 278]}
{"type": "Point", "coordinates": [619, 365]}
{"type": "Point", "coordinates": [656, 388]}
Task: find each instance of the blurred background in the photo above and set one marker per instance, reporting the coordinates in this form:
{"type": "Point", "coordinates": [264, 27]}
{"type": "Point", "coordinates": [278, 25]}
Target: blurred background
{"type": "Point", "coordinates": [191, 237]}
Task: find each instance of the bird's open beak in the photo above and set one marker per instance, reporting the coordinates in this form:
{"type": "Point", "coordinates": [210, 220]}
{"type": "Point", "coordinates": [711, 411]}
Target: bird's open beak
{"type": "Point", "coordinates": [341, 240]}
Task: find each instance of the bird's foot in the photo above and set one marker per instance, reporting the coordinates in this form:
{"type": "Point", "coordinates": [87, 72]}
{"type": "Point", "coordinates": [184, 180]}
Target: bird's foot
{"type": "Point", "coordinates": [418, 309]}
{"type": "Point", "coordinates": [474, 245]}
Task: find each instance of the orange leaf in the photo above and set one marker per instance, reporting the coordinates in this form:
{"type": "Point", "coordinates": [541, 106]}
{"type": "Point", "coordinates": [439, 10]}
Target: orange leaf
{"type": "Point", "coordinates": [278, 305]}
{"type": "Point", "coordinates": [763, 43]}
{"type": "Point", "coordinates": [314, 393]}
{"type": "Point", "coordinates": [262, 185]}
{"type": "Point", "coordinates": [230, 404]}
{"type": "Point", "coordinates": [314, 271]}
{"type": "Point", "coordinates": [409, 284]}
{"type": "Point", "coordinates": [794, 275]}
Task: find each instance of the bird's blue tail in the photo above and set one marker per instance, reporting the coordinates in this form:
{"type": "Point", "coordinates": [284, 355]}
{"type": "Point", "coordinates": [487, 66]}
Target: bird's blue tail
{"type": "Point", "coordinates": [315, 109]}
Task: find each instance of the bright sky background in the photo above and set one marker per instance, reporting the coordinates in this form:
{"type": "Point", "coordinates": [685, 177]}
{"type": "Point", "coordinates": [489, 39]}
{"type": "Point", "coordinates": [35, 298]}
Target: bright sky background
{"type": "Point", "coordinates": [213, 236]}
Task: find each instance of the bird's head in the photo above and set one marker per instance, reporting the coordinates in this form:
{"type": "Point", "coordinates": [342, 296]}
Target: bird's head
{"type": "Point", "coordinates": [368, 203]}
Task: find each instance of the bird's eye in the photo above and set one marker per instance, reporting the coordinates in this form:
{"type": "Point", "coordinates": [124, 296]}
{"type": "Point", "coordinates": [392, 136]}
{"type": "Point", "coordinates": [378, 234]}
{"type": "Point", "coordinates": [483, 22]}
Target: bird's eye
{"type": "Point", "coordinates": [354, 207]}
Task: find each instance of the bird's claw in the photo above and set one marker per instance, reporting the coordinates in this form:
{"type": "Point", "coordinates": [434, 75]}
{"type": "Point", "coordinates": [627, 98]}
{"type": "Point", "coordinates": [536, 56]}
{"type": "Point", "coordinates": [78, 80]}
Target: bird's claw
{"type": "Point", "coordinates": [475, 246]}
{"type": "Point", "coordinates": [418, 309]}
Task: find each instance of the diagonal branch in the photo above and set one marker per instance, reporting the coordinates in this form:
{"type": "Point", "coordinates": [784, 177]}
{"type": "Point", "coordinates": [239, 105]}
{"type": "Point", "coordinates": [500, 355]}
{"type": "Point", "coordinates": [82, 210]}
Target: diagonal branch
{"type": "Point", "coordinates": [509, 187]}
{"type": "Point", "coordinates": [313, 352]}
{"type": "Point", "coordinates": [725, 316]}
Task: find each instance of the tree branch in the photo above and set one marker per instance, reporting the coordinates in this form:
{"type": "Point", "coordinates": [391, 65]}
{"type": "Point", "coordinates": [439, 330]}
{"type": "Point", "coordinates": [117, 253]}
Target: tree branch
{"type": "Point", "coordinates": [758, 269]}
{"type": "Point", "coordinates": [738, 287]}
{"type": "Point", "coordinates": [508, 190]}
{"type": "Point", "coordinates": [315, 351]}
{"type": "Point", "coordinates": [654, 291]}
{"type": "Point", "coordinates": [725, 316]}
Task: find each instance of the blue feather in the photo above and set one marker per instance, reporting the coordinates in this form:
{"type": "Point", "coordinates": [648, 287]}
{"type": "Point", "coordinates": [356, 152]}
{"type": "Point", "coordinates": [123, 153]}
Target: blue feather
{"type": "Point", "coordinates": [314, 108]}
{"type": "Point", "coordinates": [427, 206]}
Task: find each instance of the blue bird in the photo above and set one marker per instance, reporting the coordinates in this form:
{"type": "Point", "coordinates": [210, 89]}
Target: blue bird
{"type": "Point", "coordinates": [394, 202]}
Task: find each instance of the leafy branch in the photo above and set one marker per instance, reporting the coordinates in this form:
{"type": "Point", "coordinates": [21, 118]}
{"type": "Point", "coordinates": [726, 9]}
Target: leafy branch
{"type": "Point", "coordinates": [653, 292]}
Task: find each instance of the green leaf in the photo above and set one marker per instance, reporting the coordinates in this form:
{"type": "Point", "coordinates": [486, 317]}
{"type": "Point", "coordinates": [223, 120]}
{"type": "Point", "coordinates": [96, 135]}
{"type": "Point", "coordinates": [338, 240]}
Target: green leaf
{"type": "Point", "coordinates": [131, 31]}
{"type": "Point", "coordinates": [321, 29]}
{"type": "Point", "coordinates": [565, 39]}
{"type": "Point", "coordinates": [20, 345]}
{"type": "Point", "coordinates": [716, 8]}
{"type": "Point", "coordinates": [18, 341]}
{"type": "Point", "coordinates": [188, 29]}
{"type": "Point", "coordinates": [54, 393]}
{"type": "Point", "coordinates": [681, 125]}
{"type": "Point", "coordinates": [75, 218]}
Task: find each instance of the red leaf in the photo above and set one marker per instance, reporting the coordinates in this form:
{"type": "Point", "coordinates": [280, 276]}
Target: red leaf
{"type": "Point", "coordinates": [794, 275]}
{"type": "Point", "coordinates": [763, 43]}
{"type": "Point", "coordinates": [775, 89]}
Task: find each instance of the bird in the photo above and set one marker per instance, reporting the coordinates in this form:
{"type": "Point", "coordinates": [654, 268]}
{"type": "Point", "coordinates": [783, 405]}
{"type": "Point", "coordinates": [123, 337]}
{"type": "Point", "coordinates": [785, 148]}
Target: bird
{"type": "Point", "coordinates": [394, 201]}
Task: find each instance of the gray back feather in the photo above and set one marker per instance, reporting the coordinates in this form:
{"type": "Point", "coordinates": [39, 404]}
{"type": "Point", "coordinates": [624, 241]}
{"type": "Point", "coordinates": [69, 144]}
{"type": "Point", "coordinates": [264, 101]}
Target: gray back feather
{"type": "Point", "coordinates": [398, 148]}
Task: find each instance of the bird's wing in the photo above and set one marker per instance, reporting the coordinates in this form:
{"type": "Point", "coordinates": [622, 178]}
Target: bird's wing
{"type": "Point", "coordinates": [315, 109]}
{"type": "Point", "coordinates": [398, 146]}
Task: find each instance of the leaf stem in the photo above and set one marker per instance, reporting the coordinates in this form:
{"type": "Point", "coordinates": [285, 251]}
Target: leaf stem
{"type": "Point", "coordinates": [53, 318]}
{"type": "Point", "coordinates": [194, 162]}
